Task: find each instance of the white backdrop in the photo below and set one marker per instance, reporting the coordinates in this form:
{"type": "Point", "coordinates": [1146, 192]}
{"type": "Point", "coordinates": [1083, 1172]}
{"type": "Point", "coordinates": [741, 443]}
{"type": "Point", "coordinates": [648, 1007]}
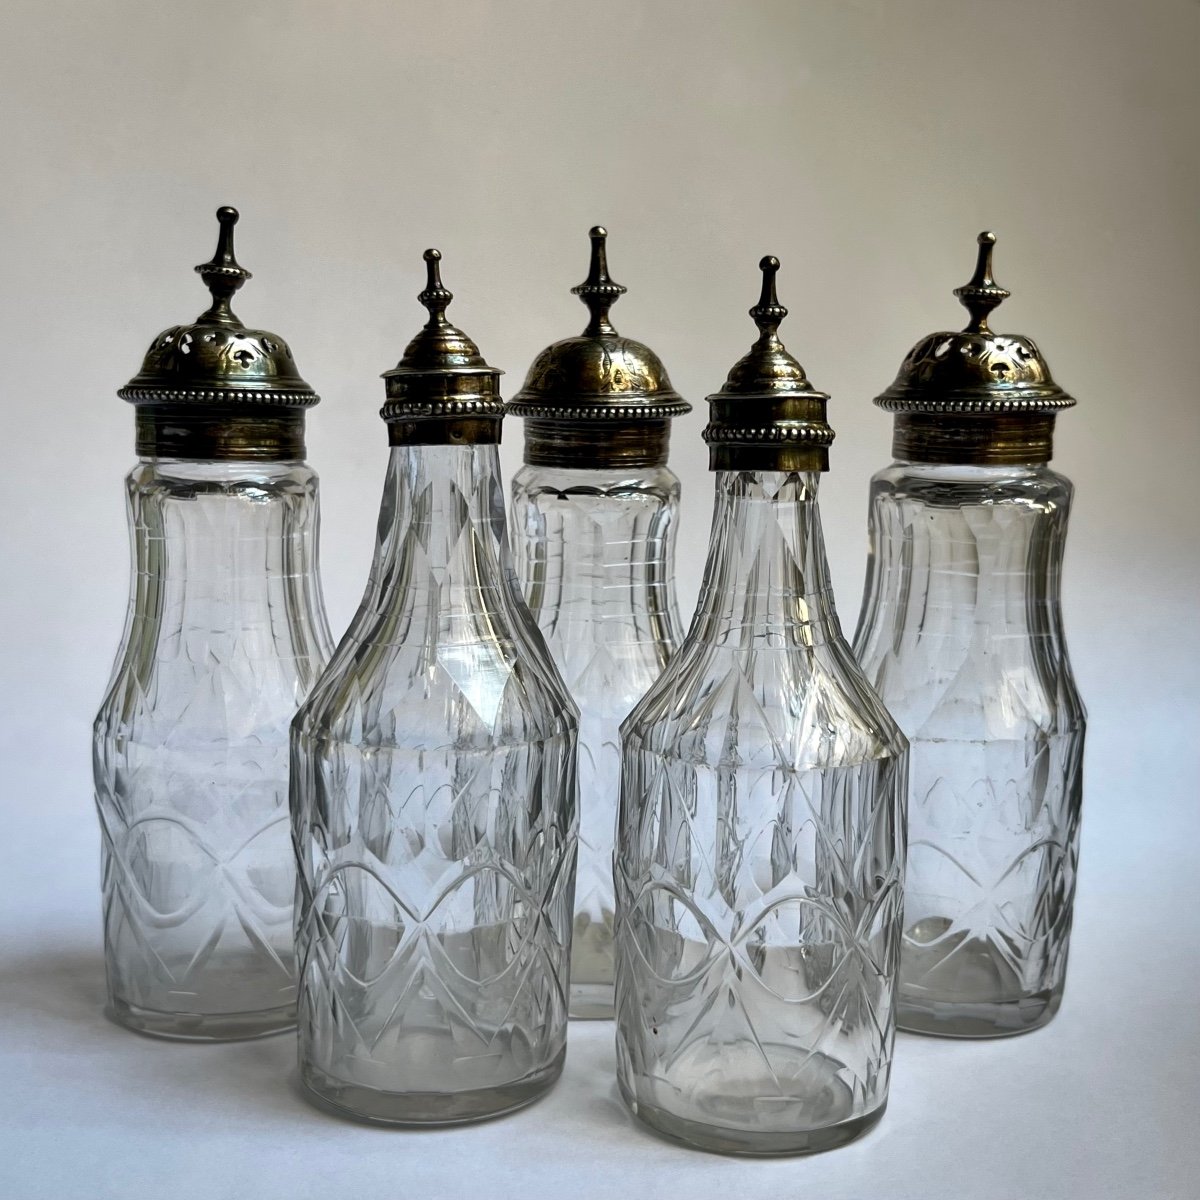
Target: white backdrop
{"type": "Point", "coordinates": [865, 144]}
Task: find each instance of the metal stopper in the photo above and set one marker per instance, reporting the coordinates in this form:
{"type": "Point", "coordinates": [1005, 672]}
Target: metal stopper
{"type": "Point", "coordinates": [768, 312]}
{"type": "Point", "coordinates": [599, 400]}
{"type": "Point", "coordinates": [435, 297]}
{"type": "Point", "coordinates": [598, 291]}
{"type": "Point", "coordinates": [215, 391]}
{"type": "Point", "coordinates": [223, 274]}
{"type": "Point", "coordinates": [441, 392]}
{"type": "Point", "coordinates": [975, 396]}
{"type": "Point", "coordinates": [768, 416]}
{"type": "Point", "coordinates": [981, 294]}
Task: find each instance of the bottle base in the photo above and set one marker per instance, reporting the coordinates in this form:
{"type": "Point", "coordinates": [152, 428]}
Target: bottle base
{"type": "Point", "coordinates": [400, 1109]}
{"type": "Point", "coordinates": [954, 1019]}
{"type": "Point", "coordinates": [748, 1097]}
{"type": "Point", "coordinates": [202, 1027]}
{"type": "Point", "coordinates": [592, 1002]}
{"type": "Point", "coordinates": [748, 1142]}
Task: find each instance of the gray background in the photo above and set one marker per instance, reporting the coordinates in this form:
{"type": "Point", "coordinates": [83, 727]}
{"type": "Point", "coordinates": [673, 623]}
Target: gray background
{"type": "Point", "coordinates": [865, 144]}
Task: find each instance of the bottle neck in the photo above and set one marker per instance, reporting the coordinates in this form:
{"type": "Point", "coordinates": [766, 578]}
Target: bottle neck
{"type": "Point", "coordinates": [440, 553]}
{"type": "Point", "coordinates": [963, 556]}
{"type": "Point", "coordinates": [224, 561]}
{"type": "Point", "coordinates": [595, 552]}
{"type": "Point", "coordinates": [766, 582]}
{"type": "Point", "coordinates": [214, 523]}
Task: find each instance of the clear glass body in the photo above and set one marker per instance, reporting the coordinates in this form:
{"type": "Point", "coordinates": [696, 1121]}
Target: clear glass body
{"type": "Point", "coordinates": [595, 557]}
{"type": "Point", "coordinates": [434, 808]}
{"type": "Point", "coordinates": [760, 850]}
{"type": "Point", "coordinates": [961, 633]}
{"type": "Point", "coordinates": [226, 632]}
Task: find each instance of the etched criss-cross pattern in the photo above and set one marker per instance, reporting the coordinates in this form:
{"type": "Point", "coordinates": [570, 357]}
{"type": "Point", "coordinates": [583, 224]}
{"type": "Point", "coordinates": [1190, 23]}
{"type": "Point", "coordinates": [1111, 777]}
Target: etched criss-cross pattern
{"type": "Point", "coordinates": [195, 877]}
{"type": "Point", "coordinates": [608, 702]}
{"type": "Point", "coordinates": [992, 867]}
{"type": "Point", "coordinates": [759, 855]}
{"type": "Point", "coordinates": [785, 928]}
{"type": "Point", "coordinates": [962, 633]}
{"type": "Point", "coordinates": [426, 904]}
{"type": "Point", "coordinates": [193, 811]}
{"type": "Point", "coordinates": [434, 793]}
{"type": "Point", "coordinates": [440, 908]}
{"type": "Point", "coordinates": [592, 555]}
{"type": "Point", "coordinates": [191, 748]}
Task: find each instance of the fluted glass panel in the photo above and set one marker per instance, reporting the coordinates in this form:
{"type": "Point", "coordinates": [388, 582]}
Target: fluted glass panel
{"type": "Point", "coordinates": [595, 557]}
{"type": "Point", "coordinates": [434, 801]}
{"type": "Point", "coordinates": [760, 854]}
{"type": "Point", "coordinates": [225, 635]}
{"type": "Point", "coordinates": [962, 635]}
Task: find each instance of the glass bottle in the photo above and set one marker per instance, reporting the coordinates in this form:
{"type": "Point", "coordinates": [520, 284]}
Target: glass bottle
{"type": "Point", "coordinates": [225, 634]}
{"type": "Point", "coordinates": [961, 632]}
{"type": "Point", "coordinates": [760, 843]}
{"type": "Point", "coordinates": [433, 787]}
{"type": "Point", "coordinates": [595, 510]}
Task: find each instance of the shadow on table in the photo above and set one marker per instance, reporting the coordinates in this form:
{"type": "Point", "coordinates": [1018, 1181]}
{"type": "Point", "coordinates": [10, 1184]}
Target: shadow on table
{"type": "Point", "coordinates": [52, 1000]}
{"type": "Point", "coordinates": [62, 984]}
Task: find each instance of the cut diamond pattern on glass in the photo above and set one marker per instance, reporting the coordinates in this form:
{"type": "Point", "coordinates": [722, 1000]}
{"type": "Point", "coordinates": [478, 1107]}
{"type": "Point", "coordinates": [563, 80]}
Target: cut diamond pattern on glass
{"type": "Point", "coordinates": [594, 555]}
{"type": "Point", "coordinates": [225, 634]}
{"type": "Point", "coordinates": [962, 633]}
{"type": "Point", "coordinates": [759, 856]}
{"type": "Point", "coordinates": [435, 823]}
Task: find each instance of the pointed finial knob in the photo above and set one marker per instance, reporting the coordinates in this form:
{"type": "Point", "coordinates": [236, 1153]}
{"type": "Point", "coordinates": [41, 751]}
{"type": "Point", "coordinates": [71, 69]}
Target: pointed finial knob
{"type": "Point", "coordinates": [598, 291]}
{"type": "Point", "coordinates": [223, 275]}
{"type": "Point", "coordinates": [768, 312]}
{"type": "Point", "coordinates": [435, 297]}
{"type": "Point", "coordinates": [981, 294]}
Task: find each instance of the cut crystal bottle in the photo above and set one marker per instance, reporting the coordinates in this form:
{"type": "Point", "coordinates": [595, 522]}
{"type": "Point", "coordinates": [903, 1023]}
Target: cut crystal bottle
{"type": "Point", "coordinates": [226, 632]}
{"type": "Point", "coordinates": [433, 787]}
{"type": "Point", "coordinates": [595, 511]}
{"type": "Point", "coordinates": [962, 633]}
{"type": "Point", "coordinates": [760, 844]}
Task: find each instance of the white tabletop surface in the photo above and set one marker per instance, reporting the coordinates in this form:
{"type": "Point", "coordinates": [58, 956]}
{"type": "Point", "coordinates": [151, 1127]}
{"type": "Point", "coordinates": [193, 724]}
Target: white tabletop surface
{"type": "Point", "coordinates": [865, 144]}
{"type": "Point", "coordinates": [1102, 1103]}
